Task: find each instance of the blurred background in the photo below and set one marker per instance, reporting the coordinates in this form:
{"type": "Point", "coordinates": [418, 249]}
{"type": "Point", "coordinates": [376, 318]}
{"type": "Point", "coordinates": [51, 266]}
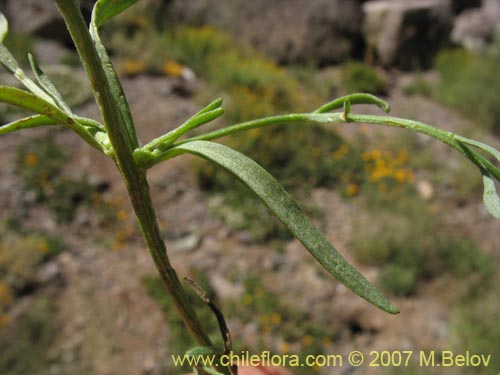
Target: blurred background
{"type": "Point", "coordinates": [78, 291]}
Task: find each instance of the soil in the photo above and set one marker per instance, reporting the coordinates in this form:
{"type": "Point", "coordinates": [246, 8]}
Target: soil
{"type": "Point", "coordinates": [107, 324]}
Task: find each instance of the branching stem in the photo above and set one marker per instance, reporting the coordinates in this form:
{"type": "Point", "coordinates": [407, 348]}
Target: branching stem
{"type": "Point", "coordinates": [134, 177]}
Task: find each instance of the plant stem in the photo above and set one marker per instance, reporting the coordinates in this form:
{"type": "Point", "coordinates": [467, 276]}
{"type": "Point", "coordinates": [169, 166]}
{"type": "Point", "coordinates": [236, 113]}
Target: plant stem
{"type": "Point", "coordinates": [134, 177]}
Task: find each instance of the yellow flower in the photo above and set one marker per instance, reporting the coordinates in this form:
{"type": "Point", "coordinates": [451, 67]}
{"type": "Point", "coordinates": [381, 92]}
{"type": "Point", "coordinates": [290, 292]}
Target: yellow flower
{"type": "Point", "coordinates": [341, 151]}
{"type": "Point", "coordinates": [31, 159]}
{"type": "Point", "coordinates": [172, 68]}
{"type": "Point", "coordinates": [133, 67]}
{"type": "Point", "coordinates": [285, 347]}
{"type": "Point", "coordinates": [4, 320]}
{"type": "Point", "coordinates": [376, 154]}
{"type": "Point", "coordinates": [276, 318]}
{"type": "Point", "coordinates": [122, 215]}
{"type": "Point", "coordinates": [5, 294]}
{"type": "Point", "coordinates": [307, 340]}
{"type": "Point", "coordinates": [117, 245]}
{"type": "Point", "coordinates": [327, 341]}
{"type": "Point", "coordinates": [43, 247]}
{"type": "Point", "coordinates": [400, 176]}
{"type": "Point", "coordinates": [352, 190]}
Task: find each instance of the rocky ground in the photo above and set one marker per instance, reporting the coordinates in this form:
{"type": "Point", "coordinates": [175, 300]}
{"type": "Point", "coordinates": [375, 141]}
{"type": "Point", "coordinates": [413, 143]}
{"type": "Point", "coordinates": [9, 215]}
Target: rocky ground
{"type": "Point", "coordinates": [108, 324]}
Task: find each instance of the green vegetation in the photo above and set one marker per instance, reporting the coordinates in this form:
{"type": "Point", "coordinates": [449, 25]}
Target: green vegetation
{"type": "Point", "coordinates": [360, 77]}
{"type": "Point", "coordinates": [260, 305]}
{"type": "Point", "coordinates": [419, 86]}
{"type": "Point", "coordinates": [476, 320]}
{"type": "Point", "coordinates": [26, 341]}
{"type": "Point", "coordinates": [40, 164]}
{"type": "Point", "coordinates": [116, 137]}
{"type": "Point", "coordinates": [466, 84]}
{"type": "Point", "coordinates": [179, 339]}
{"type": "Point", "coordinates": [401, 240]}
{"type": "Point", "coordinates": [32, 329]}
{"type": "Point", "coordinates": [253, 86]}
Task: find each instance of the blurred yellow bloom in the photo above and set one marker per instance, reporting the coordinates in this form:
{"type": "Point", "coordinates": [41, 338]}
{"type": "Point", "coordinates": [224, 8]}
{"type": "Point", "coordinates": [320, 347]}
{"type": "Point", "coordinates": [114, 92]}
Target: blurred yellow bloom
{"type": "Point", "coordinates": [133, 67]}
{"type": "Point", "coordinates": [172, 68]}
{"type": "Point", "coordinates": [352, 190]}
{"type": "Point", "coordinates": [276, 318]}
{"type": "Point", "coordinates": [341, 151]}
{"type": "Point", "coordinates": [307, 340]}
{"type": "Point", "coordinates": [122, 215]}
{"type": "Point", "coordinates": [31, 159]}
{"type": "Point", "coordinates": [5, 294]}
{"type": "Point", "coordinates": [285, 347]}
{"type": "Point", "coordinates": [43, 247]}
{"type": "Point", "coordinates": [5, 320]}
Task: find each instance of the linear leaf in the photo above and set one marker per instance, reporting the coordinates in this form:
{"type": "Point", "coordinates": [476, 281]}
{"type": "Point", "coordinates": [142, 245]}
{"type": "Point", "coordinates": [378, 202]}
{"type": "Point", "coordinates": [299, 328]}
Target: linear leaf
{"type": "Point", "coordinates": [104, 10]}
{"type": "Point", "coordinates": [354, 99]}
{"type": "Point", "coordinates": [286, 209]}
{"type": "Point", "coordinates": [494, 152]}
{"type": "Point", "coordinates": [490, 196]}
{"type": "Point", "coordinates": [26, 123]}
{"type": "Point", "coordinates": [4, 27]}
{"type": "Point", "coordinates": [47, 85]}
{"type": "Point", "coordinates": [197, 120]}
{"type": "Point", "coordinates": [10, 63]}
{"type": "Point", "coordinates": [29, 101]}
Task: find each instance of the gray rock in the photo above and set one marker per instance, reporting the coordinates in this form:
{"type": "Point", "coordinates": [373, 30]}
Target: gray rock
{"type": "Point", "coordinates": [475, 29]}
{"type": "Point", "coordinates": [50, 52]}
{"type": "Point", "coordinates": [187, 243]}
{"type": "Point", "coordinates": [48, 272]}
{"type": "Point", "coordinates": [460, 5]}
{"type": "Point", "coordinates": [33, 16]}
{"type": "Point", "coordinates": [40, 17]}
{"type": "Point", "coordinates": [320, 31]}
{"type": "Point", "coordinates": [407, 34]}
{"type": "Point", "coordinates": [472, 30]}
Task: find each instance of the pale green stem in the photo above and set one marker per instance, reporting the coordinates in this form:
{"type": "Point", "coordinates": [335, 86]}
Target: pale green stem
{"type": "Point", "coordinates": [134, 177]}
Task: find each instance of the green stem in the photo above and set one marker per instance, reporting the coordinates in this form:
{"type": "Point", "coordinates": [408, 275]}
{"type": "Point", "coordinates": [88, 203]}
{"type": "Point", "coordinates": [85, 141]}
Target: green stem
{"type": "Point", "coordinates": [134, 177]}
{"type": "Point", "coordinates": [330, 118]}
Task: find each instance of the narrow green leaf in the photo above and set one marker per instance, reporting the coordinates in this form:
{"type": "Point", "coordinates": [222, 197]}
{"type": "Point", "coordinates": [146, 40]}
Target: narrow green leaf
{"type": "Point", "coordinates": [322, 118]}
{"type": "Point", "coordinates": [202, 119]}
{"type": "Point", "coordinates": [354, 99]}
{"type": "Point", "coordinates": [490, 196]}
{"type": "Point", "coordinates": [10, 63]}
{"type": "Point", "coordinates": [214, 105]}
{"type": "Point", "coordinates": [8, 60]}
{"type": "Point", "coordinates": [26, 123]}
{"type": "Point", "coordinates": [196, 121]}
{"type": "Point", "coordinates": [104, 10]}
{"type": "Point", "coordinates": [4, 27]}
{"type": "Point", "coordinates": [203, 116]}
{"type": "Point", "coordinates": [494, 152]}
{"type": "Point", "coordinates": [31, 102]}
{"type": "Point", "coordinates": [284, 207]}
{"type": "Point", "coordinates": [47, 85]}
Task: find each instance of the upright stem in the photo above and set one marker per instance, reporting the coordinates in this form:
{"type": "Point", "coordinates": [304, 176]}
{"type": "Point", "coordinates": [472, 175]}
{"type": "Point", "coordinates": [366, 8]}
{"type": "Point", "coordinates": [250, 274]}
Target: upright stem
{"type": "Point", "coordinates": [134, 177]}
